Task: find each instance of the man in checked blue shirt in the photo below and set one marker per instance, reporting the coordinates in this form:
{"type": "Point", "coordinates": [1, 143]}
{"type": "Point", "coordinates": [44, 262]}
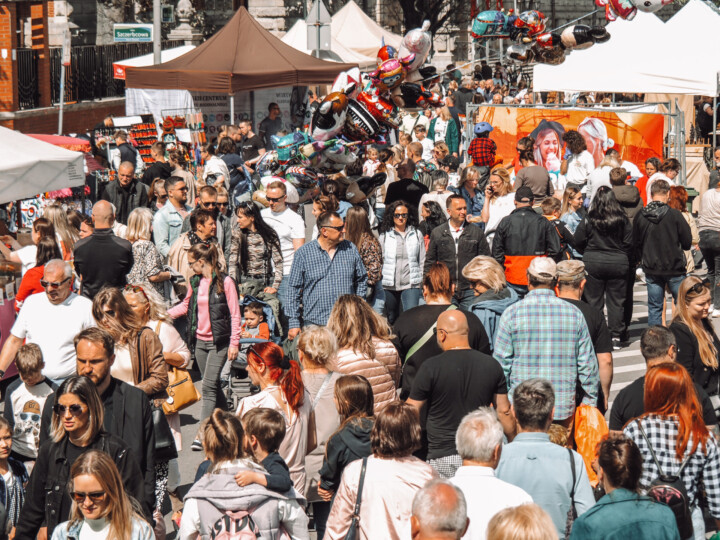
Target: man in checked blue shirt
{"type": "Point", "coordinates": [322, 271]}
{"type": "Point", "coordinates": [543, 336]}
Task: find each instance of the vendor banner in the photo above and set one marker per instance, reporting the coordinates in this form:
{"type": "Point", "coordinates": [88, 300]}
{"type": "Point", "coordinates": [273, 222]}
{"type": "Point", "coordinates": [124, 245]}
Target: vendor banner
{"type": "Point", "coordinates": [637, 136]}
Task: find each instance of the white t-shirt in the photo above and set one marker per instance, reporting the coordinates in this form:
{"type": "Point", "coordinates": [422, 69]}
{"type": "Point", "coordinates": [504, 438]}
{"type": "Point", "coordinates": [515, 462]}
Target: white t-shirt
{"type": "Point", "coordinates": [428, 147]}
{"type": "Point", "coordinates": [53, 328]}
{"type": "Point", "coordinates": [27, 256]}
{"type": "Point", "coordinates": [579, 168]}
{"type": "Point", "coordinates": [630, 167]}
{"type": "Point", "coordinates": [440, 129]}
{"type": "Point", "coordinates": [94, 529]}
{"type": "Point", "coordinates": [499, 208]}
{"type": "Point", "coordinates": [289, 226]}
{"type": "Point", "coordinates": [27, 406]}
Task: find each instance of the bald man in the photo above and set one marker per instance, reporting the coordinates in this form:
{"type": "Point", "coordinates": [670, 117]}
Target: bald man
{"type": "Point", "coordinates": [439, 512]}
{"type": "Point", "coordinates": [452, 384]}
{"type": "Point", "coordinates": [102, 258]}
{"type": "Point", "coordinates": [126, 193]}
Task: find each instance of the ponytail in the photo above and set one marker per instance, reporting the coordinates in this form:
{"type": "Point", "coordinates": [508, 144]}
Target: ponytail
{"type": "Point", "coordinates": [292, 386]}
{"type": "Point", "coordinates": [275, 361]}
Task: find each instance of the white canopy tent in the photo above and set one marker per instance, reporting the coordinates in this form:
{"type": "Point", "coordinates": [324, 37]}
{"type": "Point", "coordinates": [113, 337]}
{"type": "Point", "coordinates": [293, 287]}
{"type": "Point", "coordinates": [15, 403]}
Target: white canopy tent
{"type": "Point", "coordinates": [148, 60]}
{"type": "Point", "coordinates": [353, 29]}
{"type": "Point", "coordinates": [296, 37]}
{"type": "Point", "coordinates": [31, 166]}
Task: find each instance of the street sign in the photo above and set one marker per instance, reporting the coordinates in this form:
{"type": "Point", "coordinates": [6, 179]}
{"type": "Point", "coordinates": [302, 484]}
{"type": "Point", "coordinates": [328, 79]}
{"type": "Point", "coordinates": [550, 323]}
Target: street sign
{"type": "Point", "coordinates": [318, 27]}
{"type": "Point", "coordinates": [66, 48]}
{"type": "Point", "coordinates": [124, 33]}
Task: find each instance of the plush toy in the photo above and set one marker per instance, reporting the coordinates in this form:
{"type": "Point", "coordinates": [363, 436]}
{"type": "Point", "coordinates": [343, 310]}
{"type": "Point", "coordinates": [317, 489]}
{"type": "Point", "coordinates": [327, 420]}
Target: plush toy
{"type": "Point", "coordinates": [416, 42]}
{"type": "Point", "coordinates": [329, 118]}
{"type": "Point", "coordinates": [624, 9]}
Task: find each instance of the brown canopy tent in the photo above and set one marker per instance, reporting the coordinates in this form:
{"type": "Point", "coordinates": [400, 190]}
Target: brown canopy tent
{"type": "Point", "coordinates": [242, 56]}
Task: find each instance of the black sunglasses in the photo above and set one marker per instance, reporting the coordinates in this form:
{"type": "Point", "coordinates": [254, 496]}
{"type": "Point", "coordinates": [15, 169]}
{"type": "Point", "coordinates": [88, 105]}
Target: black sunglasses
{"type": "Point", "coordinates": [698, 288]}
{"type": "Point", "coordinates": [275, 199]}
{"type": "Point", "coordinates": [338, 228]}
{"type": "Point", "coordinates": [210, 204]}
{"type": "Point", "coordinates": [53, 284]}
{"type": "Point", "coordinates": [94, 496]}
{"type": "Point", "coordinates": [223, 204]}
{"type": "Point", "coordinates": [75, 409]}
{"type": "Point", "coordinates": [400, 216]}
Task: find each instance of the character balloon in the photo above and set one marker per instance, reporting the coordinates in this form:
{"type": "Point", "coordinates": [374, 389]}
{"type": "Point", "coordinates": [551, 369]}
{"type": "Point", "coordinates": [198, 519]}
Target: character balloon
{"type": "Point", "coordinates": [416, 42]}
{"type": "Point", "coordinates": [329, 118]}
{"type": "Point", "coordinates": [624, 9]}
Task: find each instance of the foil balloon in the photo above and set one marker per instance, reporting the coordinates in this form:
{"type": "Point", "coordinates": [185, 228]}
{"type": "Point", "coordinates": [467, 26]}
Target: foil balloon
{"type": "Point", "coordinates": [329, 118]}
{"type": "Point", "coordinates": [287, 146]}
{"type": "Point", "coordinates": [301, 177]}
{"type": "Point", "coordinates": [416, 95]}
{"type": "Point", "coordinates": [624, 9]}
{"type": "Point", "coordinates": [360, 125]}
{"type": "Point", "coordinates": [390, 73]}
{"type": "Point", "coordinates": [416, 42]}
{"type": "Point", "coordinates": [336, 155]}
{"type": "Point", "coordinates": [386, 52]}
{"type": "Point", "coordinates": [581, 36]}
{"type": "Point", "coordinates": [268, 164]}
{"type": "Point", "coordinates": [489, 24]}
{"type": "Point", "coordinates": [380, 108]}
{"type": "Point", "coordinates": [528, 24]}
{"type": "Point", "coordinates": [348, 82]}
{"type": "Point", "coordinates": [651, 6]}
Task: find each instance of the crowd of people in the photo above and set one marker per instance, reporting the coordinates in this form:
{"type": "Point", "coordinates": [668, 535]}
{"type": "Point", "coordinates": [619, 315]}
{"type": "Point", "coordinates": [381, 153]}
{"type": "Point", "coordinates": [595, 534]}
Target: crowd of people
{"type": "Point", "coordinates": [414, 358]}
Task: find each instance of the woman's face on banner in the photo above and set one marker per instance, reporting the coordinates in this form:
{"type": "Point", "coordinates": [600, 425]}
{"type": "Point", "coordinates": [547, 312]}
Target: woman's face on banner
{"type": "Point", "coordinates": [594, 145]}
{"type": "Point", "coordinates": [548, 143]}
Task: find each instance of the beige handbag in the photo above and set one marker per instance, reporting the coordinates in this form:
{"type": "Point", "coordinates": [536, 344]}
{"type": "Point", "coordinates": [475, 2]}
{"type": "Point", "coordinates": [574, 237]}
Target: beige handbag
{"type": "Point", "coordinates": [181, 391]}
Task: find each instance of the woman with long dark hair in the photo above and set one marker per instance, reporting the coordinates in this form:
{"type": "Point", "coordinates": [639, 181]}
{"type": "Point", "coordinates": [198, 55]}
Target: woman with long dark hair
{"type": "Point", "coordinates": [652, 166]}
{"type": "Point", "coordinates": [255, 253]}
{"type": "Point", "coordinates": [47, 249]}
{"type": "Point", "coordinates": [359, 232]}
{"type": "Point", "coordinates": [605, 240]}
{"type": "Point", "coordinates": [281, 389]}
{"type": "Point", "coordinates": [403, 259]}
{"type": "Point", "coordinates": [672, 428]}
{"type": "Point", "coordinates": [580, 164]}
{"type": "Point", "coordinates": [433, 216]}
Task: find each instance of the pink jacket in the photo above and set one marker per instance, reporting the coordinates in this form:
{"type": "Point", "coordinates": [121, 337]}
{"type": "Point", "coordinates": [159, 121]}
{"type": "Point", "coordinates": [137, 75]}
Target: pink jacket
{"type": "Point", "coordinates": [383, 371]}
{"type": "Point", "coordinates": [386, 505]}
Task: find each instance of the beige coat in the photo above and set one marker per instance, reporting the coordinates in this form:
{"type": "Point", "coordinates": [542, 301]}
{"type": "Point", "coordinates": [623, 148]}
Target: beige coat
{"type": "Point", "coordinates": [383, 371]}
{"type": "Point", "coordinates": [386, 506]}
{"type": "Point", "coordinates": [178, 259]}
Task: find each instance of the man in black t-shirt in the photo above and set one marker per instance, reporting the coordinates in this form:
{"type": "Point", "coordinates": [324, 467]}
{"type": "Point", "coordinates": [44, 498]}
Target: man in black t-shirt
{"type": "Point", "coordinates": [570, 284]}
{"type": "Point", "coordinates": [657, 344]}
{"type": "Point", "coordinates": [251, 145]}
{"type": "Point", "coordinates": [159, 168]}
{"type": "Point", "coordinates": [451, 385]}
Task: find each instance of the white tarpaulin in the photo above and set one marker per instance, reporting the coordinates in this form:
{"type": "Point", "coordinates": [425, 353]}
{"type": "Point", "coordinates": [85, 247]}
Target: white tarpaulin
{"type": "Point", "coordinates": [148, 60]}
{"type": "Point", "coordinates": [645, 55]}
{"type": "Point", "coordinates": [356, 31]}
{"type": "Point", "coordinates": [296, 37]}
{"type": "Point", "coordinates": [30, 167]}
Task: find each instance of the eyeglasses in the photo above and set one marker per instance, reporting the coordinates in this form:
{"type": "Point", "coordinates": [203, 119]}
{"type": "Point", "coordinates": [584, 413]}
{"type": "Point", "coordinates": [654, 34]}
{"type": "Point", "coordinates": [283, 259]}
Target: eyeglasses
{"type": "Point", "coordinates": [338, 228]}
{"type": "Point", "coordinates": [75, 409]}
{"type": "Point", "coordinates": [136, 289]}
{"type": "Point", "coordinates": [400, 216]}
{"type": "Point", "coordinates": [94, 496]}
{"type": "Point", "coordinates": [53, 284]}
{"type": "Point", "coordinates": [275, 199]}
{"type": "Point", "coordinates": [437, 330]}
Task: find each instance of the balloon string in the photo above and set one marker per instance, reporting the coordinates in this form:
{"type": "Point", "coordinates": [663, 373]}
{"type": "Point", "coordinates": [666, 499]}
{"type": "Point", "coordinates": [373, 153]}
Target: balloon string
{"type": "Point", "coordinates": [470, 63]}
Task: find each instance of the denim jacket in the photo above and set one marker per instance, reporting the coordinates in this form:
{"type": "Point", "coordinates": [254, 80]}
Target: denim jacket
{"type": "Point", "coordinates": [67, 531]}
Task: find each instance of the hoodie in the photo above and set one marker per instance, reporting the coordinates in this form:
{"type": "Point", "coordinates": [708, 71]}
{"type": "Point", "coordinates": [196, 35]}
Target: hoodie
{"type": "Point", "coordinates": [629, 199]}
{"type": "Point", "coordinates": [490, 306]}
{"type": "Point", "coordinates": [350, 443]}
{"type": "Point", "coordinates": [660, 236]}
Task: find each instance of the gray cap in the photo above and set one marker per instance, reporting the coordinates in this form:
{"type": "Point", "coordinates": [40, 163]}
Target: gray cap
{"type": "Point", "coordinates": [542, 268]}
{"type": "Point", "coordinates": [570, 270]}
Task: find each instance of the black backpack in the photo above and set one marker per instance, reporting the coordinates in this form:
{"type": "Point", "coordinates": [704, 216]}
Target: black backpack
{"type": "Point", "coordinates": [669, 489]}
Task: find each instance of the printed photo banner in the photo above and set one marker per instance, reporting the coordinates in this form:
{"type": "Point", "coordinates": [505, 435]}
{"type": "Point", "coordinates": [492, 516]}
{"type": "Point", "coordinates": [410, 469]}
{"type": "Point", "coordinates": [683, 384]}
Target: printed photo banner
{"type": "Point", "coordinates": [637, 136]}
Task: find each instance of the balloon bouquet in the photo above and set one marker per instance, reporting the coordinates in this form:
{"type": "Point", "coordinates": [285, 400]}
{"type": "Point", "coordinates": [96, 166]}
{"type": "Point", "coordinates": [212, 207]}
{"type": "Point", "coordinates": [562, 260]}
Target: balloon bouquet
{"type": "Point", "coordinates": [361, 109]}
{"type": "Point", "coordinates": [532, 43]}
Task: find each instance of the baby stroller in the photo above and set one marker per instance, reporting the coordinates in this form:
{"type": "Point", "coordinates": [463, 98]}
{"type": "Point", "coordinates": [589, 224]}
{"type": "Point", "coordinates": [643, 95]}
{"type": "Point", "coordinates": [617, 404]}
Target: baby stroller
{"type": "Point", "coordinates": [239, 385]}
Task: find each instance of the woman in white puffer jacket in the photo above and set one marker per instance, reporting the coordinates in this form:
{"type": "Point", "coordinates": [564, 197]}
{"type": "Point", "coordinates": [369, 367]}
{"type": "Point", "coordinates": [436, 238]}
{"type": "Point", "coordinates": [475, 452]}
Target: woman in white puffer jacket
{"type": "Point", "coordinates": [364, 347]}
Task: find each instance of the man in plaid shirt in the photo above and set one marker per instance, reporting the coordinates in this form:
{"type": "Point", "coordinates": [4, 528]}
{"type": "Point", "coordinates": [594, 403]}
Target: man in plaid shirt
{"type": "Point", "coordinates": [482, 149]}
{"type": "Point", "coordinates": [543, 336]}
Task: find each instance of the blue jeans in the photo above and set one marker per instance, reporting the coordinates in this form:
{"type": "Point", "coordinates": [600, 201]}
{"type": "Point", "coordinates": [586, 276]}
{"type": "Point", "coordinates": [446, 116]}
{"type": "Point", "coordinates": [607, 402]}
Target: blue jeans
{"type": "Point", "coordinates": [398, 301]}
{"type": "Point", "coordinates": [656, 294]}
{"type": "Point", "coordinates": [377, 299]}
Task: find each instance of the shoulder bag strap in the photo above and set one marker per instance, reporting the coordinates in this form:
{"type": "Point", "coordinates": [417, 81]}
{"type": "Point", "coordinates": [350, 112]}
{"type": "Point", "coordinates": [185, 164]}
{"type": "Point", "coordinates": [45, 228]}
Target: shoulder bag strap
{"type": "Point", "coordinates": [157, 328]}
{"type": "Point", "coordinates": [574, 478]}
{"type": "Point", "coordinates": [358, 500]}
{"type": "Point", "coordinates": [426, 336]}
{"type": "Point", "coordinates": [652, 452]}
{"type": "Point", "coordinates": [322, 388]}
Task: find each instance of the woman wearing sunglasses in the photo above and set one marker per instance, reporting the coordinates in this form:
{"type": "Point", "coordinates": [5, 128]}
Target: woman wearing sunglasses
{"type": "Point", "coordinates": [403, 259]}
{"type": "Point", "coordinates": [697, 343]}
{"type": "Point", "coordinates": [101, 508]}
{"type": "Point", "coordinates": [77, 426]}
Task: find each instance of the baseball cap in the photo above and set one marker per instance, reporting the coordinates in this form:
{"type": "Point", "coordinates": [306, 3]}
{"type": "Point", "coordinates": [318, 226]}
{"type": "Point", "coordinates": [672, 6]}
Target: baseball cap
{"type": "Point", "coordinates": [524, 195]}
{"type": "Point", "coordinates": [482, 127]}
{"type": "Point", "coordinates": [542, 268]}
{"type": "Point", "coordinates": [570, 270]}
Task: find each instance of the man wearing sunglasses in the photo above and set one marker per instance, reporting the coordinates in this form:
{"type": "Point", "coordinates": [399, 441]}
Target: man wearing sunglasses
{"type": "Point", "coordinates": [208, 200]}
{"type": "Point", "coordinates": [322, 271]}
{"type": "Point", "coordinates": [167, 223]}
{"type": "Point", "coordinates": [128, 414]}
{"type": "Point", "coordinates": [50, 320]}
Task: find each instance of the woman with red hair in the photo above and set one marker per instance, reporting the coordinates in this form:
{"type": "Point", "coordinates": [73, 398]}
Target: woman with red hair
{"type": "Point", "coordinates": [673, 431]}
{"type": "Point", "coordinates": [281, 389]}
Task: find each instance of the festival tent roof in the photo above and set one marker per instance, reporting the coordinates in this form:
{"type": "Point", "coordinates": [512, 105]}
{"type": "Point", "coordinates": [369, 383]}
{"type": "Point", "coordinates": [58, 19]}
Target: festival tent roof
{"type": "Point", "coordinates": [31, 166]}
{"type": "Point", "coordinates": [242, 56]}
{"type": "Point", "coordinates": [358, 32]}
{"type": "Point", "coordinates": [120, 66]}
{"type": "Point", "coordinates": [296, 37]}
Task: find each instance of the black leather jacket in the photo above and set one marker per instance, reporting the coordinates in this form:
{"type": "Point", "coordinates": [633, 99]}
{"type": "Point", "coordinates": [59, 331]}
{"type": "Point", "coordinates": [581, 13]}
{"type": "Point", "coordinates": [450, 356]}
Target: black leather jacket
{"type": "Point", "coordinates": [442, 248]}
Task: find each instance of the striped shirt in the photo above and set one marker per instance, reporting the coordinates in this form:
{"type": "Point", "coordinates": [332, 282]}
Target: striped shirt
{"type": "Point", "coordinates": [545, 337]}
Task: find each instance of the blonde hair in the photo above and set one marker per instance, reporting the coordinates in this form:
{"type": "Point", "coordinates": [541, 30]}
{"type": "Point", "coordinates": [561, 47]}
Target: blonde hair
{"type": "Point", "coordinates": [444, 114]}
{"type": "Point", "coordinates": [58, 217]}
{"type": "Point", "coordinates": [121, 509]}
{"type": "Point", "coordinates": [318, 344]}
{"type": "Point", "coordinates": [442, 147]}
{"type": "Point", "coordinates": [708, 352]}
{"type": "Point", "coordinates": [569, 193]}
{"type": "Point", "coordinates": [354, 324]}
{"type": "Point", "coordinates": [139, 226]}
{"type": "Point", "coordinates": [487, 271]}
{"type": "Point", "coordinates": [524, 522]}
{"type": "Point", "coordinates": [503, 174]}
